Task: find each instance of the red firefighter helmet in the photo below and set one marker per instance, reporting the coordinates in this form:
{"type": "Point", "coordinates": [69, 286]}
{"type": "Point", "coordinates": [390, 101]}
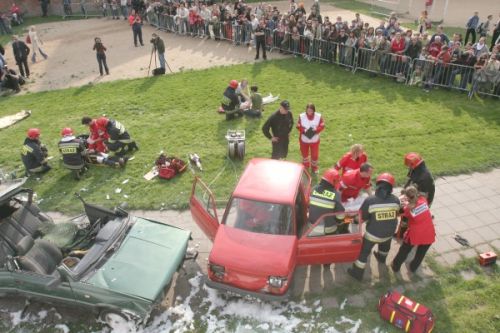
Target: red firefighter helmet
{"type": "Point", "coordinates": [413, 160]}
{"type": "Point", "coordinates": [102, 122]}
{"type": "Point", "coordinates": [66, 131]}
{"type": "Point", "coordinates": [33, 133]}
{"type": "Point", "coordinates": [332, 176]}
{"type": "Point", "coordinates": [386, 177]}
{"type": "Point", "coordinates": [233, 84]}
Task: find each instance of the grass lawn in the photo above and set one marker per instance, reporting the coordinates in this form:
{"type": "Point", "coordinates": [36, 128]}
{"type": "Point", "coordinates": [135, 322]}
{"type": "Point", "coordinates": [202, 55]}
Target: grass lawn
{"type": "Point", "coordinates": [177, 114]}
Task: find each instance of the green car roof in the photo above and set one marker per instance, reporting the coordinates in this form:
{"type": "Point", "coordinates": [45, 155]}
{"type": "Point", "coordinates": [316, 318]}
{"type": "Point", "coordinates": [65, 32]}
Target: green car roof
{"type": "Point", "coordinates": [146, 261]}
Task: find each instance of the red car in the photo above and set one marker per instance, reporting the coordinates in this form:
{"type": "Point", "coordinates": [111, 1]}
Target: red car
{"type": "Point", "coordinates": [264, 233]}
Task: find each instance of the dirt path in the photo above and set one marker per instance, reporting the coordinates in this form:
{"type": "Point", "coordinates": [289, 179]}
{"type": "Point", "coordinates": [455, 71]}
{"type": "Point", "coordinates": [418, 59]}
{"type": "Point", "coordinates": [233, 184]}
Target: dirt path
{"type": "Point", "coordinates": [72, 62]}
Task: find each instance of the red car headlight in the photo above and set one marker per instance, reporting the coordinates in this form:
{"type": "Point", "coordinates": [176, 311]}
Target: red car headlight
{"type": "Point", "coordinates": [217, 270]}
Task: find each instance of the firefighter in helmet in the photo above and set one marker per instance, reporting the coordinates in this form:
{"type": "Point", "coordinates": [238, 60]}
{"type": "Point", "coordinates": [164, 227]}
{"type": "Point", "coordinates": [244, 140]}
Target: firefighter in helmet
{"type": "Point", "coordinates": [230, 102]}
{"type": "Point", "coordinates": [380, 211]}
{"type": "Point", "coordinates": [34, 154]}
{"type": "Point", "coordinates": [119, 140]}
{"type": "Point", "coordinates": [419, 176]}
{"type": "Point", "coordinates": [72, 150]}
{"type": "Point", "coordinates": [325, 199]}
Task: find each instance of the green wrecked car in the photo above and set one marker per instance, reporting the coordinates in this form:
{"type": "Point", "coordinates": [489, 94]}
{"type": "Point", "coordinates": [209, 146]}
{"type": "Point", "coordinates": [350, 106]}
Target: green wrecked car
{"type": "Point", "coordinates": [119, 266]}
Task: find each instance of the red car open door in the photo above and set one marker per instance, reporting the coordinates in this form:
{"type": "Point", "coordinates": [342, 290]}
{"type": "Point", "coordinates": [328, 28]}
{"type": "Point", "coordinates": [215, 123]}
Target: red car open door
{"type": "Point", "coordinates": [315, 247]}
{"type": "Point", "coordinates": [204, 209]}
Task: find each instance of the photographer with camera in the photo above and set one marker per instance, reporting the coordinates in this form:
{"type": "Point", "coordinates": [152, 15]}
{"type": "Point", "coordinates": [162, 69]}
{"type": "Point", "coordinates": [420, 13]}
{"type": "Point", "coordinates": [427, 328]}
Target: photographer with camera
{"type": "Point", "coordinates": [100, 51]}
{"type": "Point", "coordinates": [159, 47]}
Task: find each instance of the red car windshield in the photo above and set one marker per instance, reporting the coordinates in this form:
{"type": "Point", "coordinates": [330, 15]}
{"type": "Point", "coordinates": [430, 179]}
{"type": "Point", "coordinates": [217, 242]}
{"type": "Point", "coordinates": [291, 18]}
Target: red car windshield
{"type": "Point", "coordinates": [260, 217]}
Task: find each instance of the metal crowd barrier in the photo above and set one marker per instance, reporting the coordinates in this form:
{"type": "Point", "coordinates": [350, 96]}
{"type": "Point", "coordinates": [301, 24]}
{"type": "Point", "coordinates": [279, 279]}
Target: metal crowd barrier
{"type": "Point", "coordinates": [384, 63]}
{"type": "Point", "coordinates": [87, 9]}
{"type": "Point", "coordinates": [380, 62]}
{"type": "Point", "coordinates": [486, 81]}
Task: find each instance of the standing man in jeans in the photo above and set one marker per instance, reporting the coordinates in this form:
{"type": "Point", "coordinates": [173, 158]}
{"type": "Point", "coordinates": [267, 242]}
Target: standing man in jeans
{"type": "Point", "coordinates": [471, 26]}
{"type": "Point", "coordinates": [260, 39]}
{"type": "Point", "coordinates": [280, 124]}
{"type": "Point", "coordinates": [21, 51]}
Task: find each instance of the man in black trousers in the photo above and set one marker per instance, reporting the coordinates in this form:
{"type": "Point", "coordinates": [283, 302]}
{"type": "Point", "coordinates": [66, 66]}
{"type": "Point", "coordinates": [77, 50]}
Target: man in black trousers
{"type": "Point", "coordinates": [21, 51]}
{"type": "Point", "coordinates": [260, 39]}
{"type": "Point", "coordinates": [280, 124]}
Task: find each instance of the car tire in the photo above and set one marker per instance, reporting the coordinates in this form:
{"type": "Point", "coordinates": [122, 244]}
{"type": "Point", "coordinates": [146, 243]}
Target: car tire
{"type": "Point", "coordinates": [117, 321]}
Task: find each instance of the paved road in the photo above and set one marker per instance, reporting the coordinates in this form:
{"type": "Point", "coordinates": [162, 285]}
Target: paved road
{"type": "Point", "coordinates": [468, 205]}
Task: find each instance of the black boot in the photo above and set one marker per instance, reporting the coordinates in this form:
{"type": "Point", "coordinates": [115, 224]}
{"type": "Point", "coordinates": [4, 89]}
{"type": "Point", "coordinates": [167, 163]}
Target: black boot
{"type": "Point", "coordinates": [356, 272]}
{"type": "Point", "coordinates": [132, 146]}
{"type": "Point", "coordinates": [380, 257]}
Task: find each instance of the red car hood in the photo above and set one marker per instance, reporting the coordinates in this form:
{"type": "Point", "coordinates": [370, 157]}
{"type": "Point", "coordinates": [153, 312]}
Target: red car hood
{"type": "Point", "coordinates": [254, 253]}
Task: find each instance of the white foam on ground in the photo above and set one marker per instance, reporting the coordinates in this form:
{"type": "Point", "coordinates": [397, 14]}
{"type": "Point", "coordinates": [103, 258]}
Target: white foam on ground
{"type": "Point", "coordinates": [242, 315]}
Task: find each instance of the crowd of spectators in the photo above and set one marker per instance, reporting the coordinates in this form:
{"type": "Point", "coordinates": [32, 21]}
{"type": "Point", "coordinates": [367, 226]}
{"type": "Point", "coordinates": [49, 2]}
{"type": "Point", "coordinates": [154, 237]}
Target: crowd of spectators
{"type": "Point", "coordinates": [388, 48]}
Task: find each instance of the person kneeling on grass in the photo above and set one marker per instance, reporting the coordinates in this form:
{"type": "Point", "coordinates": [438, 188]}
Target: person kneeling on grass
{"type": "Point", "coordinates": [34, 154]}
{"type": "Point", "coordinates": [119, 140]}
{"type": "Point", "coordinates": [420, 231]}
{"type": "Point", "coordinates": [230, 103]}
{"type": "Point", "coordinates": [10, 80]}
{"type": "Point", "coordinates": [256, 106]}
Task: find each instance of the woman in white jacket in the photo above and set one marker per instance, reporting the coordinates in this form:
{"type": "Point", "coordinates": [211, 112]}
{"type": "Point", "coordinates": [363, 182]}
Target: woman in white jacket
{"type": "Point", "coordinates": [35, 44]}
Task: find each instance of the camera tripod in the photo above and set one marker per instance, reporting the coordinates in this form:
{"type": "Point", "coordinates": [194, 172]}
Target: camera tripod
{"type": "Point", "coordinates": [153, 51]}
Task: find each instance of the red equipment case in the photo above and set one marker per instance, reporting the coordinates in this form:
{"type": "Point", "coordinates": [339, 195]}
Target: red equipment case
{"type": "Point", "coordinates": [487, 258]}
{"type": "Point", "coordinates": [405, 313]}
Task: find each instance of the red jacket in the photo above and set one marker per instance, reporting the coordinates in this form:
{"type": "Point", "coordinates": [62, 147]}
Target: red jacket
{"type": "Point", "coordinates": [347, 163]}
{"type": "Point", "coordinates": [97, 133]}
{"type": "Point", "coordinates": [420, 226]}
{"type": "Point", "coordinates": [351, 183]}
{"type": "Point", "coordinates": [398, 47]}
{"type": "Point", "coordinates": [434, 49]}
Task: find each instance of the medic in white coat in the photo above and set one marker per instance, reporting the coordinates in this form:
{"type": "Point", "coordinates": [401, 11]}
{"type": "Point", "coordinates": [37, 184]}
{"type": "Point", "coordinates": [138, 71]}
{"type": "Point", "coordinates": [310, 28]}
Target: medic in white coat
{"type": "Point", "coordinates": [310, 124]}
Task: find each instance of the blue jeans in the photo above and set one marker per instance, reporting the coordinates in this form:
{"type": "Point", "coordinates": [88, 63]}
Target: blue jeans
{"type": "Point", "coordinates": [161, 58]}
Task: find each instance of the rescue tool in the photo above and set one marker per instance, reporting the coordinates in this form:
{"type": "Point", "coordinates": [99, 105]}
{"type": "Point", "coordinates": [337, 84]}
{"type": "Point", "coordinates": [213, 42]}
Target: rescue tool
{"type": "Point", "coordinates": [236, 144]}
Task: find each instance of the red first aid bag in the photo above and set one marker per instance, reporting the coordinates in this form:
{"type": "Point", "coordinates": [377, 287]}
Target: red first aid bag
{"type": "Point", "coordinates": [166, 172]}
{"type": "Point", "coordinates": [404, 313]}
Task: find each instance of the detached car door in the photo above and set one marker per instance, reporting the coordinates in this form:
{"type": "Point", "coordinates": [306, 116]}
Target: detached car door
{"type": "Point", "coordinates": [204, 209]}
{"type": "Point", "coordinates": [315, 247]}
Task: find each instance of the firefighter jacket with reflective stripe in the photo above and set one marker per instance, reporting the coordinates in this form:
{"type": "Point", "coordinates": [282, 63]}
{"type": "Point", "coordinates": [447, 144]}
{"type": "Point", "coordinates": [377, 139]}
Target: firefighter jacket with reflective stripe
{"type": "Point", "coordinates": [71, 150]}
{"type": "Point", "coordinates": [380, 216]}
{"type": "Point", "coordinates": [422, 179]}
{"type": "Point", "coordinates": [347, 163]}
{"type": "Point", "coordinates": [117, 132]}
{"type": "Point", "coordinates": [230, 101]}
{"type": "Point", "coordinates": [324, 199]}
{"type": "Point", "coordinates": [420, 226]}
{"type": "Point", "coordinates": [316, 123]}
{"type": "Point", "coordinates": [32, 154]}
